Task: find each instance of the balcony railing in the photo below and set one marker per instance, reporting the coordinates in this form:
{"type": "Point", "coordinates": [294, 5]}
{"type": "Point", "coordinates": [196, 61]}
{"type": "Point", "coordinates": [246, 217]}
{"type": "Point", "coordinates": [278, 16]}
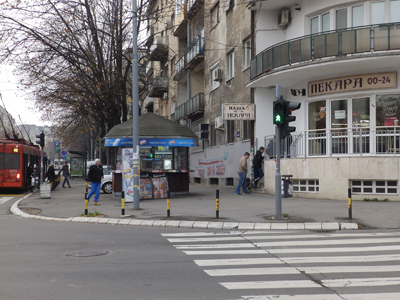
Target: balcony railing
{"type": "Point", "coordinates": [353, 141]}
{"type": "Point", "coordinates": [179, 67]}
{"type": "Point", "coordinates": [192, 106]}
{"type": "Point", "coordinates": [330, 44]}
{"type": "Point", "coordinates": [159, 48]}
{"type": "Point", "coordinates": [195, 50]}
{"type": "Point", "coordinates": [180, 112]}
{"type": "Point", "coordinates": [158, 85]}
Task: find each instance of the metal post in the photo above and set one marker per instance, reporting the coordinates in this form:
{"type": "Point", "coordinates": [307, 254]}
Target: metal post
{"type": "Point", "coordinates": [86, 204]}
{"type": "Point", "coordinates": [168, 204]}
{"type": "Point", "coordinates": [217, 204]}
{"type": "Point", "coordinates": [350, 206]}
{"type": "Point", "coordinates": [122, 203]}
{"type": "Point", "coordinates": [135, 109]}
{"type": "Point", "coordinates": [278, 178]}
{"type": "Point", "coordinates": [41, 165]}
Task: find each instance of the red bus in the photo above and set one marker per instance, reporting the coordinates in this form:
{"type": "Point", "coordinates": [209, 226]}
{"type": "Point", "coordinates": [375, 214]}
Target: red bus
{"type": "Point", "coordinates": [15, 158]}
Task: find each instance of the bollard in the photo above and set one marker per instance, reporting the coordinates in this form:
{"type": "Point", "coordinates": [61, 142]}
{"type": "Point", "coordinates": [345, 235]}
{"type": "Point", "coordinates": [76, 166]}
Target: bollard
{"type": "Point", "coordinates": [168, 204]}
{"type": "Point", "coordinates": [87, 186]}
{"type": "Point", "coordinates": [86, 204]}
{"type": "Point", "coordinates": [350, 206]}
{"type": "Point", "coordinates": [122, 203]}
{"type": "Point", "coordinates": [217, 204]}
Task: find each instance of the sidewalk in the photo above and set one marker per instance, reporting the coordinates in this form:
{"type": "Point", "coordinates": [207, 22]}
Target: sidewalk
{"type": "Point", "coordinates": [198, 210]}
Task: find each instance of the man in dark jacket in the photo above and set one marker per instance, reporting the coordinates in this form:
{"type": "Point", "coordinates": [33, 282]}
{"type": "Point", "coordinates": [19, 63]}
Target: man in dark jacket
{"type": "Point", "coordinates": [95, 176]}
{"type": "Point", "coordinates": [257, 164]}
{"type": "Point", "coordinates": [65, 172]}
{"type": "Point", "coordinates": [51, 176]}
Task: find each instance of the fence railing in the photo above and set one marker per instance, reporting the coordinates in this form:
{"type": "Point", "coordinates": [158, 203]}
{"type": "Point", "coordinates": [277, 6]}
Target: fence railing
{"type": "Point", "coordinates": [332, 44]}
{"type": "Point", "coordinates": [195, 48]}
{"type": "Point", "coordinates": [195, 103]}
{"type": "Point", "coordinates": [179, 66]}
{"type": "Point", "coordinates": [354, 141]}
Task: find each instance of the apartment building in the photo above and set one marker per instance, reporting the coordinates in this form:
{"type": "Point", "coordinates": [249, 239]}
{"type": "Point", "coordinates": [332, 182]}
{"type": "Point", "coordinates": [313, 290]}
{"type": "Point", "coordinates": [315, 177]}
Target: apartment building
{"type": "Point", "coordinates": [200, 52]}
{"type": "Point", "coordinates": [339, 59]}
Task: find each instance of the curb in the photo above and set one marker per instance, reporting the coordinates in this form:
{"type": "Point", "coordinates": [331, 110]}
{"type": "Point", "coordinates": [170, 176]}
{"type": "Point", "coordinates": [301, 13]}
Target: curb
{"type": "Point", "coordinates": [319, 226]}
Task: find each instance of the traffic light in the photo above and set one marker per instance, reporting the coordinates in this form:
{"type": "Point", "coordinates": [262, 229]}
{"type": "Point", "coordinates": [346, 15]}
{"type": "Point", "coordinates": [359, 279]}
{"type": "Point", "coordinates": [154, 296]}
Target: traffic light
{"type": "Point", "coordinates": [288, 107]}
{"type": "Point", "coordinates": [278, 112]}
{"type": "Point", "coordinates": [40, 140]}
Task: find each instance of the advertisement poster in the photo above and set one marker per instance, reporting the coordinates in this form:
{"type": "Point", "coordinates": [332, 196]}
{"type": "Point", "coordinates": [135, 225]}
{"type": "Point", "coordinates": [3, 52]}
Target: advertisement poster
{"type": "Point", "coordinates": [146, 188]}
{"type": "Point", "coordinates": [127, 175]}
{"type": "Point", "coordinates": [160, 187]}
{"type": "Point", "coordinates": [77, 167]}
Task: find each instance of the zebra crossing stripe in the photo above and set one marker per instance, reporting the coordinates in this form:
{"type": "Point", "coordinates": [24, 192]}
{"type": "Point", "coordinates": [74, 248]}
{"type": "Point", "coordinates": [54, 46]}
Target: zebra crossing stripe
{"type": "Point", "coordinates": [282, 284]}
{"type": "Point", "coordinates": [335, 249]}
{"type": "Point", "coordinates": [357, 282]}
{"type": "Point", "coordinates": [5, 199]}
{"type": "Point", "coordinates": [383, 296]}
{"type": "Point", "coordinates": [298, 270]}
{"type": "Point", "coordinates": [196, 240]}
{"type": "Point", "coordinates": [213, 246]}
{"type": "Point", "coordinates": [225, 233]}
{"type": "Point", "coordinates": [341, 259]}
{"type": "Point", "coordinates": [236, 262]}
{"type": "Point", "coordinates": [329, 242]}
{"type": "Point", "coordinates": [225, 252]}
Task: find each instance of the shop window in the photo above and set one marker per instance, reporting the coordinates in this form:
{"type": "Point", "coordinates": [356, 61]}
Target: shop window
{"type": "Point", "coordinates": [306, 185]}
{"type": "Point", "coordinates": [387, 110]}
{"type": "Point", "coordinates": [374, 187]}
{"type": "Point", "coordinates": [230, 131]}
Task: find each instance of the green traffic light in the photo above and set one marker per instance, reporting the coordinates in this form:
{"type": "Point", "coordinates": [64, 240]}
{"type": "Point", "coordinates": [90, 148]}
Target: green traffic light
{"type": "Point", "coordinates": [278, 118]}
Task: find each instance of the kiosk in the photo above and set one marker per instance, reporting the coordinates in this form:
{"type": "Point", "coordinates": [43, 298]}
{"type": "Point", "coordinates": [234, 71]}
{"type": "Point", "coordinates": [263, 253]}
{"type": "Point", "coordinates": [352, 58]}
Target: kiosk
{"type": "Point", "coordinates": [164, 154]}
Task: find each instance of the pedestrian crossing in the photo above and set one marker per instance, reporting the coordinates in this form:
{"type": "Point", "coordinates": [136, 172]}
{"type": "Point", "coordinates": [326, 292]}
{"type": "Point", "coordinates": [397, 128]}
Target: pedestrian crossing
{"type": "Point", "coordinates": [284, 265]}
{"type": "Point", "coordinates": [5, 199]}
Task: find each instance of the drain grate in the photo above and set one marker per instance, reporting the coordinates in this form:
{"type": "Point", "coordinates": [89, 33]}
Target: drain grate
{"type": "Point", "coordinates": [322, 231]}
{"type": "Point", "coordinates": [88, 253]}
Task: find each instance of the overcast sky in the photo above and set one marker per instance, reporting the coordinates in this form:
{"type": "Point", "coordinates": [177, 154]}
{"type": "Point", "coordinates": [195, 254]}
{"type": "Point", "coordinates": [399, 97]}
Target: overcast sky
{"type": "Point", "coordinates": [16, 101]}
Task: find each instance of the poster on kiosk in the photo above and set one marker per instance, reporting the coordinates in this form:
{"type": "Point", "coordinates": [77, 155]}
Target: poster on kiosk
{"type": "Point", "coordinates": [127, 173]}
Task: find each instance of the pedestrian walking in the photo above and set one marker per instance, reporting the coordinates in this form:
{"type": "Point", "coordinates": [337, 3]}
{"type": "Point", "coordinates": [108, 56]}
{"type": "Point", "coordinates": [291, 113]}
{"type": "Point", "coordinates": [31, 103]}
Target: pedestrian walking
{"type": "Point", "coordinates": [242, 174]}
{"type": "Point", "coordinates": [257, 165]}
{"type": "Point", "coordinates": [65, 172]}
{"type": "Point", "coordinates": [95, 175]}
{"type": "Point", "coordinates": [51, 176]}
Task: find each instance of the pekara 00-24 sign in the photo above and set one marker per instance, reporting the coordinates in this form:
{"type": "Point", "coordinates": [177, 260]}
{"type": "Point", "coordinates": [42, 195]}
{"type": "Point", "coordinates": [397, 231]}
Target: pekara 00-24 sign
{"type": "Point", "coordinates": [352, 83]}
{"type": "Point", "coordinates": [238, 111]}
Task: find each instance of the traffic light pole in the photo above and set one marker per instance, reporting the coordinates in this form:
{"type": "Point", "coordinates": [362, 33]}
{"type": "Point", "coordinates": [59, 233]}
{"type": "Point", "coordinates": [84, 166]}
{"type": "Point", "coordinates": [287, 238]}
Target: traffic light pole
{"type": "Point", "coordinates": [278, 195]}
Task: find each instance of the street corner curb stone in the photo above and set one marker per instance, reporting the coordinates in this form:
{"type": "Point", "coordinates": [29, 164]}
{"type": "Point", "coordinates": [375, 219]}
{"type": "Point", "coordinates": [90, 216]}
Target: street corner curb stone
{"type": "Point", "coordinates": [246, 226]}
{"type": "Point", "coordinates": [147, 223]}
{"type": "Point", "coordinates": [262, 226]}
{"type": "Point", "coordinates": [93, 220]}
{"type": "Point", "coordinates": [215, 225]}
{"type": "Point", "coordinates": [103, 221]}
{"type": "Point", "coordinates": [330, 226]}
{"type": "Point", "coordinates": [160, 223]}
{"type": "Point", "coordinates": [173, 223]}
{"type": "Point", "coordinates": [313, 226]}
{"type": "Point", "coordinates": [230, 225]}
{"type": "Point", "coordinates": [345, 226]}
{"type": "Point", "coordinates": [80, 219]}
{"type": "Point", "coordinates": [135, 222]}
{"type": "Point", "coordinates": [280, 226]}
{"type": "Point", "coordinates": [124, 222]}
{"type": "Point", "coordinates": [296, 226]}
{"type": "Point", "coordinates": [186, 224]}
{"type": "Point", "coordinates": [113, 221]}
{"type": "Point", "coordinates": [200, 225]}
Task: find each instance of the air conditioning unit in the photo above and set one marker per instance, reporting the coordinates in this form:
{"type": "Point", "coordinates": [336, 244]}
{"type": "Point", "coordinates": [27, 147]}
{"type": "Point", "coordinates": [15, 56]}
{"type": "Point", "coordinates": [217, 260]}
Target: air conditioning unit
{"type": "Point", "coordinates": [217, 75]}
{"type": "Point", "coordinates": [165, 96]}
{"type": "Point", "coordinates": [283, 18]}
{"type": "Point", "coordinates": [219, 123]}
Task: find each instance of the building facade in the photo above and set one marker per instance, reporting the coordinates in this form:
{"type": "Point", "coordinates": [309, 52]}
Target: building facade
{"type": "Point", "coordinates": [339, 59]}
{"type": "Point", "coordinates": [202, 51]}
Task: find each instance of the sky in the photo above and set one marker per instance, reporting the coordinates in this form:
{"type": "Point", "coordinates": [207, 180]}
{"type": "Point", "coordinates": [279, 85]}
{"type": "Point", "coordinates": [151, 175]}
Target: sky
{"type": "Point", "coordinates": [16, 102]}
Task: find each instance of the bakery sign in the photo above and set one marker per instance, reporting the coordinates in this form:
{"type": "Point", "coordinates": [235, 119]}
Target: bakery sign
{"type": "Point", "coordinates": [237, 111]}
{"type": "Point", "coordinates": [352, 83]}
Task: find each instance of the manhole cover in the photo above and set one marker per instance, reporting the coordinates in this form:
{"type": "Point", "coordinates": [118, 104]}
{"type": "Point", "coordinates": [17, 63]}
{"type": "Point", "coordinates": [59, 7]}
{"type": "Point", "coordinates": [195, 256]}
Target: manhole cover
{"type": "Point", "coordinates": [88, 253]}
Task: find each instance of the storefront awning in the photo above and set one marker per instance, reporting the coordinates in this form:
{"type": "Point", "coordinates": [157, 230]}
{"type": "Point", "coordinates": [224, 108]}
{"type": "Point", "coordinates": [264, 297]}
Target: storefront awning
{"type": "Point", "coordinates": [154, 130]}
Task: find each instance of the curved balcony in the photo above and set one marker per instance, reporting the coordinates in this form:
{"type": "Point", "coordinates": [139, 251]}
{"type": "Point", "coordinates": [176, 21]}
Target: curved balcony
{"type": "Point", "coordinates": [159, 49]}
{"type": "Point", "coordinates": [195, 53]}
{"type": "Point", "coordinates": [357, 42]}
{"type": "Point", "coordinates": [158, 85]}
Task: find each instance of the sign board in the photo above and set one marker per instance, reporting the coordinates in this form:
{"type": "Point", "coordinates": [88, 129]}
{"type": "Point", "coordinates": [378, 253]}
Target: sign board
{"type": "Point", "coordinates": [238, 111]}
{"type": "Point", "coordinates": [56, 144]}
{"type": "Point", "coordinates": [352, 83]}
{"type": "Point", "coordinates": [127, 173]}
{"type": "Point", "coordinates": [150, 142]}
{"type": "Point", "coordinates": [77, 167]}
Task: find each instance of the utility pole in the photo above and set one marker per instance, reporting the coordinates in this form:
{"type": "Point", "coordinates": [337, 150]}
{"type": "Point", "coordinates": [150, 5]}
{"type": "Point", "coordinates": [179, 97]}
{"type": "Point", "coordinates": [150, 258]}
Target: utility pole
{"type": "Point", "coordinates": [135, 109]}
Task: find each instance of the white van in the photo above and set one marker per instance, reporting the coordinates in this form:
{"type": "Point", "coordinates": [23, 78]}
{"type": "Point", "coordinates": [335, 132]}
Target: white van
{"type": "Point", "coordinates": [58, 163]}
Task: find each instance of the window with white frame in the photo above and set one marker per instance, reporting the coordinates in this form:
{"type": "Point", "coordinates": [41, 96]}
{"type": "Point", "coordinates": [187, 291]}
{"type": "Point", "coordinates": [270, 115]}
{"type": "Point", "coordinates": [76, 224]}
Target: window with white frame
{"type": "Point", "coordinates": [341, 18]}
{"type": "Point", "coordinates": [246, 53]}
{"type": "Point", "coordinates": [306, 185]}
{"type": "Point", "coordinates": [215, 73]}
{"type": "Point", "coordinates": [230, 65]}
{"type": "Point", "coordinates": [374, 187]}
{"type": "Point", "coordinates": [395, 11]}
{"type": "Point", "coordinates": [357, 15]}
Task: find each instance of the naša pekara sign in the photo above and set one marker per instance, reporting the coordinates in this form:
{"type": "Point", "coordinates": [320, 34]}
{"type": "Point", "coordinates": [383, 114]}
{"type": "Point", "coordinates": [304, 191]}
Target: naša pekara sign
{"type": "Point", "coordinates": [352, 83]}
{"type": "Point", "coordinates": [238, 111]}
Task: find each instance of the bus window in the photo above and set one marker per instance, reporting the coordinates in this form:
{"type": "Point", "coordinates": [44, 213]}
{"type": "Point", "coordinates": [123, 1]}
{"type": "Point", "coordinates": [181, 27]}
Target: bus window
{"type": "Point", "coordinates": [11, 161]}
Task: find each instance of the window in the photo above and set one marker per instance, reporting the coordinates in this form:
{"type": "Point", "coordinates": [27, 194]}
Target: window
{"type": "Point", "coordinates": [387, 112]}
{"type": "Point", "coordinates": [395, 11]}
{"type": "Point", "coordinates": [213, 136]}
{"type": "Point", "coordinates": [230, 131]}
{"type": "Point", "coordinates": [314, 25]}
{"type": "Point", "coordinates": [246, 53]}
{"type": "Point", "coordinates": [195, 128]}
{"type": "Point", "coordinates": [214, 75]}
{"type": "Point", "coordinates": [214, 15]}
{"type": "Point", "coordinates": [326, 22]}
{"type": "Point", "coordinates": [377, 12]}
{"type": "Point", "coordinates": [317, 115]}
{"type": "Point", "coordinates": [230, 65]}
{"type": "Point", "coordinates": [246, 130]}
{"type": "Point", "coordinates": [341, 18]}
{"type": "Point", "coordinates": [306, 185]}
{"type": "Point", "coordinates": [357, 16]}
{"type": "Point", "coordinates": [373, 187]}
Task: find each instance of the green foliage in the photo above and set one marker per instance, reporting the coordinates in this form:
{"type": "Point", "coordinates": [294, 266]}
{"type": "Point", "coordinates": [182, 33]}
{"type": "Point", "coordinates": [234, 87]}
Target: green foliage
{"type": "Point", "coordinates": [375, 200]}
{"type": "Point", "coordinates": [93, 214]}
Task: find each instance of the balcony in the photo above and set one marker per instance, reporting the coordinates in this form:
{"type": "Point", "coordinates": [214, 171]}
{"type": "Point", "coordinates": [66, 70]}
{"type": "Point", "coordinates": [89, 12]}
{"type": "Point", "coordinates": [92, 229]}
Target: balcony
{"type": "Point", "coordinates": [150, 36]}
{"type": "Point", "coordinates": [195, 105]}
{"type": "Point", "coordinates": [158, 85]}
{"type": "Point", "coordinates": [180, 112]}
{"type": "Point", "coordinates": [345, 44]}
{"type": "Point", "coordinates": [179, 70]}
{"type": "Point", "coordinates": [181, 22]}
{"type": "Point", "coordinates": [195, 53]}
{"type": "Point", "coordinates": [159, 49]}
{"type": "Point", "coordinates": [193, 8]}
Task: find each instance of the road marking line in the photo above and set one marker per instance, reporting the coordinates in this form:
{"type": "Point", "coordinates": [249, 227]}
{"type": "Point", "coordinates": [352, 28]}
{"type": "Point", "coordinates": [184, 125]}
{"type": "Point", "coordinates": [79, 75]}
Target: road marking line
{"type": "Point", "coordinates": [237, 262]}
{"type": "Point", "coordinates": [214, 246]}
{"type": "Point", "coordinates": [357, 282]}
{"type": "Point", "coordinates": [225, 252]}
{"type": "Point", "coordinates": [335, 249]}
{"type": "Point", "coordinates": [252, 271]}
{"type": "Point", "coordinates": [329, 242]}
{"type": "Point", "coordinates": [5, 199]}
{"type": "Point", "coordinates": [282, 284]}
{"type": "Point", "coordinates": [342, 259]}
{"type": "Point", "coordinates": [383, 296]}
